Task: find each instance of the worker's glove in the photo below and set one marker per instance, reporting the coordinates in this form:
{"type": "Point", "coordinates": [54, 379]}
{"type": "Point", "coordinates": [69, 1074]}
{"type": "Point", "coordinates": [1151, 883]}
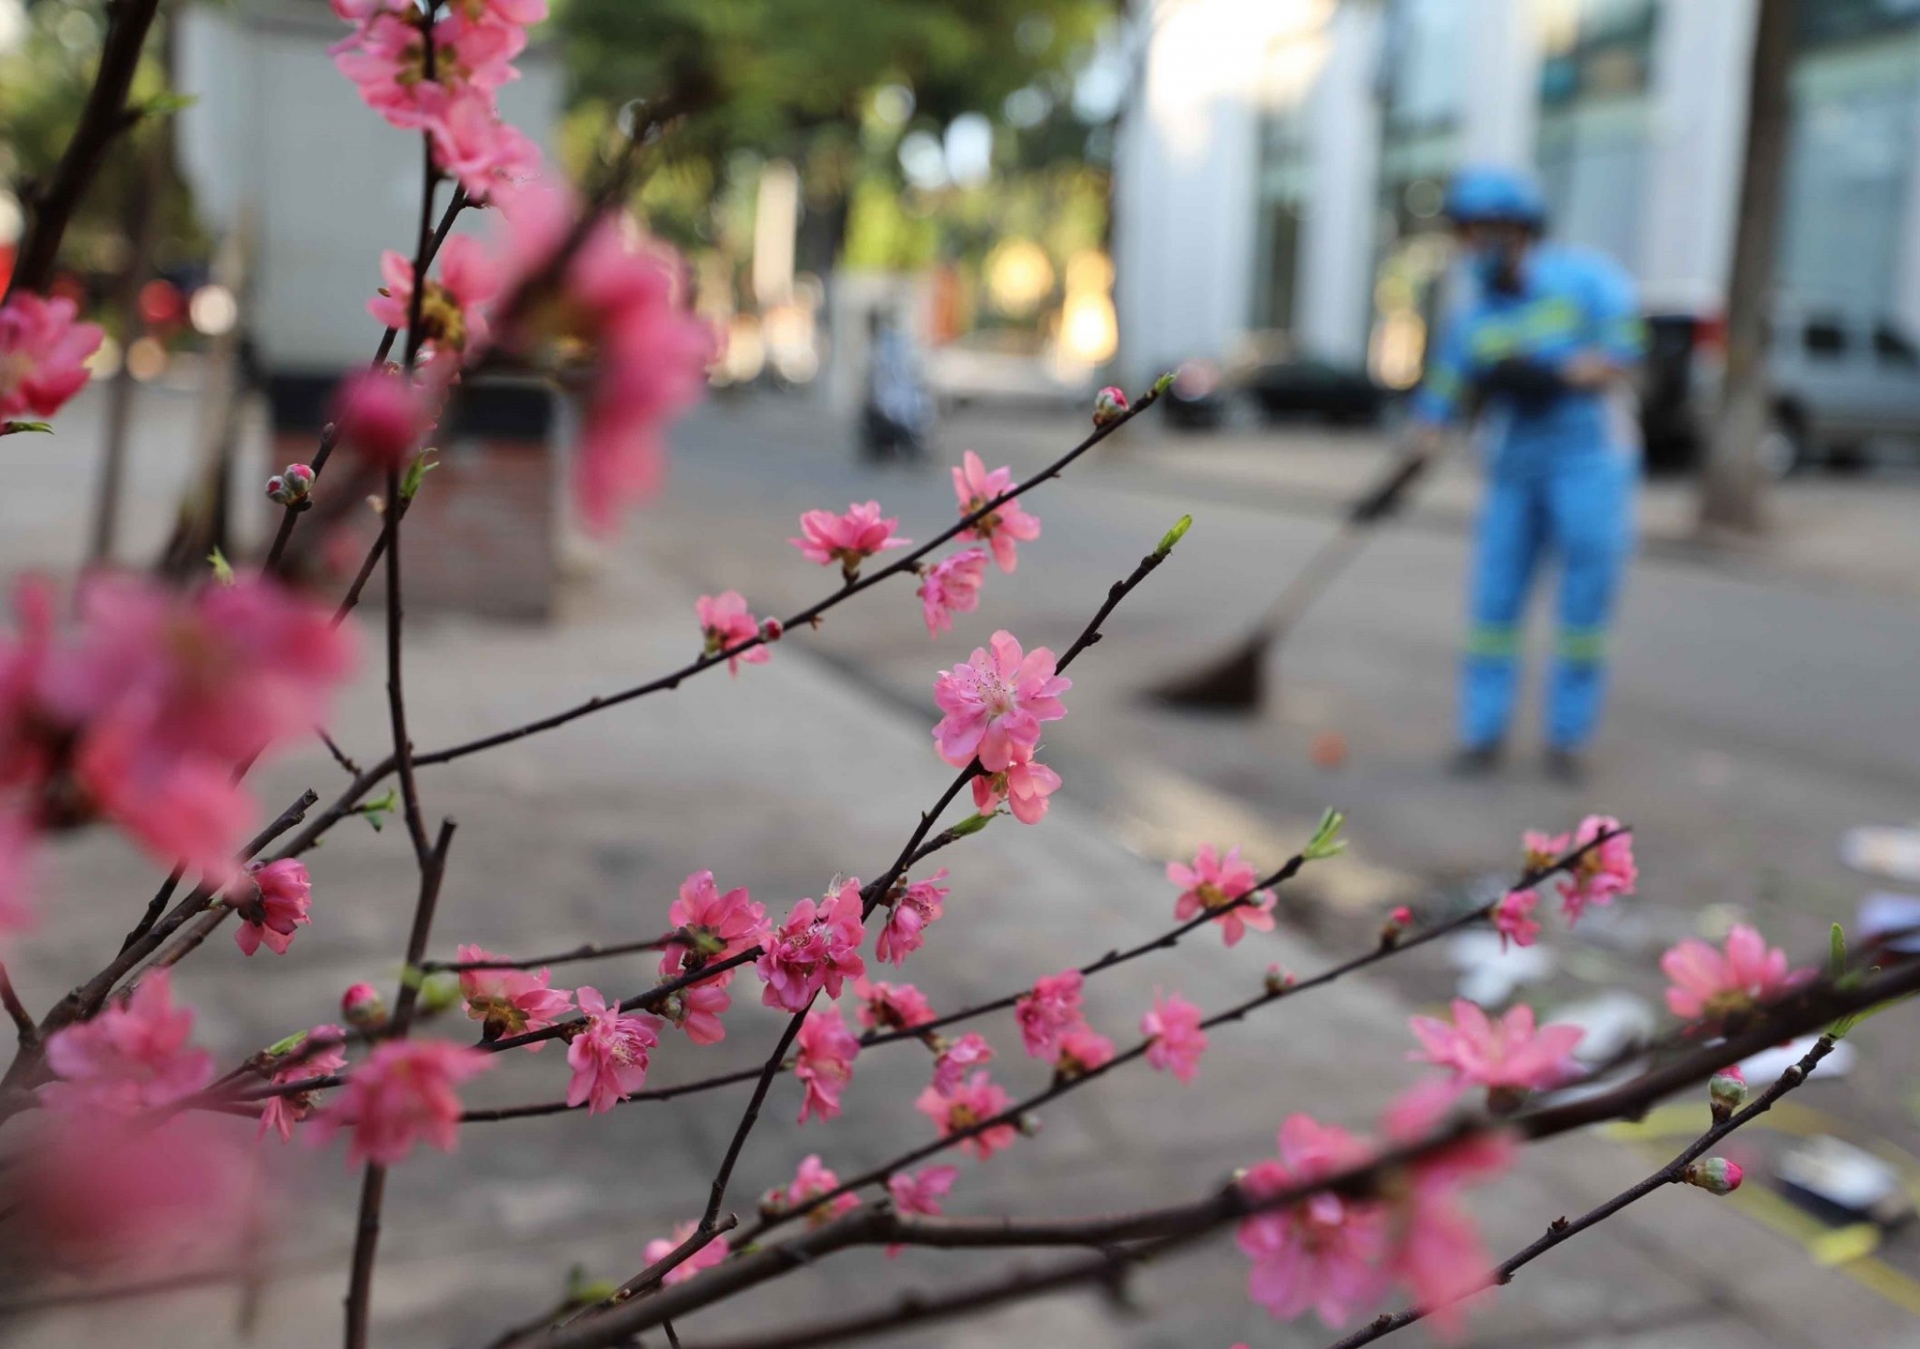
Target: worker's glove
{"type": "Point", "coordinates": [1529, 383]}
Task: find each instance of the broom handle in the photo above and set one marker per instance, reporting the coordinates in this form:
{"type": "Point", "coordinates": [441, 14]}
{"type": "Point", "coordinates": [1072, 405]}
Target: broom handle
{"type": "Point", "coordinates": [1332, 557]}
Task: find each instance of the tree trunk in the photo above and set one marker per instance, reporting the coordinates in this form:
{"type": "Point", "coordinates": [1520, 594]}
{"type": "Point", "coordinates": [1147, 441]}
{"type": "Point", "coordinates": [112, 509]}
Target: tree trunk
{"type": "Point", "coordinates": [142, 224]}
{"type": "Point", "coordinates": [1732, 487]}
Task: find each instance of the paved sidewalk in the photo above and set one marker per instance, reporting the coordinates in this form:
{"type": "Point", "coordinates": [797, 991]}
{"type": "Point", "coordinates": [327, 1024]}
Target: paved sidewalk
{"type": "Point", "coordinates": [777, 781]}
{"type": "Point", "coordinates": [1855, 530]}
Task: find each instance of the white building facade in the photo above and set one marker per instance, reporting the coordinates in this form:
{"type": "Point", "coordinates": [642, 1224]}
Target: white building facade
{"type": "Point", "coordinates": [1281, 165]}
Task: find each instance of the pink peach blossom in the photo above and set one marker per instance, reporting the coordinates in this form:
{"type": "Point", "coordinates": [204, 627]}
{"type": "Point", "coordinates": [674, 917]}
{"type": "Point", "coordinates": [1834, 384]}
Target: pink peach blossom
{"type": "Point", "coordinates": [405, 1093]}
{"type": "Point", "coordinates": [848, 539]}
{"type": "Point", "coordinates": [281, 1113]}
{"type": "Point", "coordinates": [1506, 1055]}
{"type": "Point", "coordinates": [474, 144]}
{"type": "Point", "coordinates": [812, 1180]}
{"type": "Point", "coordinates": [725, 622]}
{"type": "Point", "coordinates": [951, 586]}
{"type": "Point", "coordinates": [697, 1009]}
{"type": "Point", "coordinates": [1213, 883]}
{"type": "Point", "coordinates": [918, 906]}
{"type": "Point", "coordinates": [920, 1194]}
{"type": "Point", "coordinates": [451, 309]}
{"type": "Point", "coordinates": [716, 926]}
{"type": "Point", "coordinates": [957, 1058]}
{"type": "Point", "coordinates": [817, 948]}
{"type": "Point", "coordinates": [609, 1057]}
{"type": "Point", "coordinates": [1024, 788]}
{"type": "Point", "coordinates": [1049, 1012]}
{"type": "Point", "coordinates": [381, 417]}
{"type": "Point", "coordinates": [1513, 918]}
{"type": "Point", "coordinates": [510, 1002]}
{"type": "Point", "coordinates": [978, 1099]}
{"type": "Point", "coordinates": [706, 1257]}
{"type": "Point", "coordinates": [152, 700]}
{"type": "Point", "coordinates": [1437, 1251]}
{"type": "Point", "coordinates": [621, 300]}
{"type": "Point", "coordinates": [1007, 526]}
{"type": "Point", "coordinates": [995, 703]}
{"type": "Point", "coordinates": [97, 1193]}
{"type": "Point", "coordinates": [43, 355]}
{"type": "Point", "coordinates": [133, 1056]}
{"type": "Point", "coordinates": [1321, 1253]}
{"type": "Point", "coordinates": [1173, 1026]}
{"type": "Point", "coordinates": [1082, 1049]}
{"type": "Point", "coordinates": [824, 1063]}
{"type": "Point", "coordinates": [891, 1007]}
{"type": "Point", "coordinates": [1712, 985]}
{"type": "Point", "coordinates": [1601, 873]}
{"type": "Point", "coordinates": [273, 900]}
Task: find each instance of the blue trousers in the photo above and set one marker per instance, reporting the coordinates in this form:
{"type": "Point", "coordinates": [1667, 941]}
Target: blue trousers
{"type": "Point", "coordinates": [1583, 513]}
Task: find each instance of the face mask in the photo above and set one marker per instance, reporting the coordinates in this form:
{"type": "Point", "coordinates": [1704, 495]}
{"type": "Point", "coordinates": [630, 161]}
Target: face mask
{"type": "Point", "coordinates": [1488, 265]}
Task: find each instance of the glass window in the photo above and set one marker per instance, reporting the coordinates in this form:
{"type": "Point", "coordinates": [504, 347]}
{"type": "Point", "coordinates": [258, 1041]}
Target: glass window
{"type": "Point", "coordinates": [1892, 347]}
{"type": "Point", "coordinates": [1425, 63]}
{"type": "Point", "coordinates": [1825, 337]}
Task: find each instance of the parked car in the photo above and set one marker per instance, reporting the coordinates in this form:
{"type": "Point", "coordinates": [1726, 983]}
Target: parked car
{"type": "Point", "coordinates": [1841, 385]}
{"type": "Point", "coordinates": [1274, 382]}
{"type": "Point", "coordinates": [1006, 366]}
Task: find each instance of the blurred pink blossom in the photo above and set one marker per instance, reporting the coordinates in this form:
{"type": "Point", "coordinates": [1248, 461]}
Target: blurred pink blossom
{"type": "Point", "coordinates": [43, 355]}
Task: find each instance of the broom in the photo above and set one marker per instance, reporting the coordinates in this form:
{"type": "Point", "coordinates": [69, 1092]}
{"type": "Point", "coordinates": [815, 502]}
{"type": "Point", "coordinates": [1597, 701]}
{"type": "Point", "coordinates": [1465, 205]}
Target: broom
{"type": "Point", "coordinates": [1237, 681]}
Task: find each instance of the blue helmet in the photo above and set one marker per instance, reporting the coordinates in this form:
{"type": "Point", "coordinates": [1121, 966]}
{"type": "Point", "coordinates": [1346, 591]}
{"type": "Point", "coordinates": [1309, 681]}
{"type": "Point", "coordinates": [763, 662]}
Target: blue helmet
{"type": "Point", "coordinates": [1486, 193]}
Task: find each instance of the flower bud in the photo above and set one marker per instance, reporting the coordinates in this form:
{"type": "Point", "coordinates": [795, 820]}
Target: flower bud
{"type": "Point", "coordinates": [382, 417]}
{"type": "Point", "coordinates": [1108, 405]}
{"type": "Point", "coordinates": [1396, 926]}
{"type": "Point", "coordinates": [1726, 1092]}
{"type": "Point", "coordinates": [1715, 1175]}
{"type": "Point", "coordinates": [1279, 980]}
{"type": "Point", "coordinates": [440, 991]}
{"type": "Point", "coordinates": [290, 485]}
{"type": "Point", "coordinates": [772, 629]}
{"type": "Point", "coordinates": [362, 1008]}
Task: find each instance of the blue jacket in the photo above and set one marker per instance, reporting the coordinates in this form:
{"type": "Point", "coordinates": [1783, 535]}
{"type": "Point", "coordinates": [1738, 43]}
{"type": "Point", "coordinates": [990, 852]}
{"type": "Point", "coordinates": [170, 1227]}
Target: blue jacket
{"type": "Point", "coordinates": [1570, 300]}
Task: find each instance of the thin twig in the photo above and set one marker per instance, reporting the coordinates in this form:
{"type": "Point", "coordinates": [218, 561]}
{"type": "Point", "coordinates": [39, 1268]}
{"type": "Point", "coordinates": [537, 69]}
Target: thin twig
{"type": "Point", "coordinates": [330, 436]}
{"type": "Point", "coordinates": [1062, 1085]}
{"type": "Point", "coordinates": [343, 805]}
{"type": "Point", "coordinates": [1163, 1231]}
{"type": "Point", "coordinates": [1562, 1229]}
{"type": "Point", "coordinates": [588, 951]}
{"type": "Point", "coordinates": [104, 117]}
{"type": "Point", "coordinates": [17, 1010]}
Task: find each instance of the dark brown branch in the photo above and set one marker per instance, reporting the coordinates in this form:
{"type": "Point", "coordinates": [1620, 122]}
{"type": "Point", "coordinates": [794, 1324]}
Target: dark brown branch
{"type": "Point", "coordinates": [656, 1273]}
{"type": "Point", "coordinates": [329, 437]}
{"type": "Point", "coordinates": [1061, 1086]}
{"type": "Point", "coordinates": [793, 624]}
{"type": "Point", "coordinates": [17, 1011]}
{"type": "Point", "coordinates": [373, 1185]}
{"type": "Point", "coordinates": [155, 907]}
{"type": "Point", "coordinates": [652, 1094]}
{"type": "Point", "coordinates": [104, 118]}
{"type": "Point", "coordinates": [588, 951]}
{"type": "Point", "coordinates": [1162, 1231]}
{"type": "Point", "coordinates": [82, 1000]}
{"type": "Point", "coordinates": [1563, 1229]}
{"type": "Point", "coordinates": [343, 805]}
